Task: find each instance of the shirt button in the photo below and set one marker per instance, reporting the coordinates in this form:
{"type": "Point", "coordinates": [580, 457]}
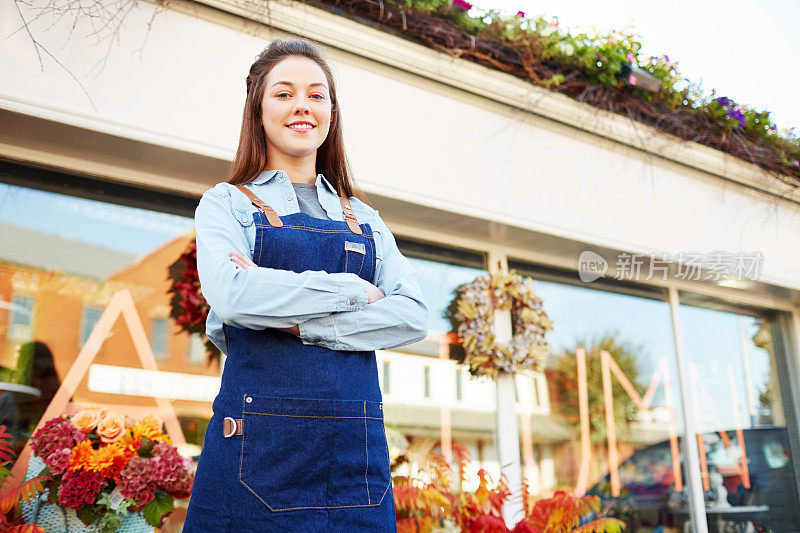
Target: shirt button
{"type": "Point", "coordinates": [352, 302]}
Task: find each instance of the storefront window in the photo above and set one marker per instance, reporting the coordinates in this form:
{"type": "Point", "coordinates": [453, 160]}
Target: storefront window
{"type": "Point", "coordinates": [614, 343]}
{"type": "Point", "coordinates": [745, 450]}
{"type": "Point", "coordinates": [79, 266]}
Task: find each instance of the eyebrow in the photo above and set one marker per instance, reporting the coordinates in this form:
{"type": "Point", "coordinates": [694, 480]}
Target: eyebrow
{"type": "Point", "coordinates": [292, 84]}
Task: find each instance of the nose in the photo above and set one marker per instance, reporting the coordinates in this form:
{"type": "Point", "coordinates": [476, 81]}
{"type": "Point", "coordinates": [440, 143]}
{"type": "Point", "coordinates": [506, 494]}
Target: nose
{"type": "Point", "coordinates": [301, 107]}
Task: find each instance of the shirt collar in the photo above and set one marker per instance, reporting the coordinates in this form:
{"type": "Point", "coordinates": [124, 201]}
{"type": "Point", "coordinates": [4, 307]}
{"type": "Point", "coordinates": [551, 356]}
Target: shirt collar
{"type": "Point", "coordinates": [267, 175]}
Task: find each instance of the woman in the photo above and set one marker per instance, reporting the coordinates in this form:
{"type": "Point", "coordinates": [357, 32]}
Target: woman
{"type": "Point", "coordinates": [304, 281]}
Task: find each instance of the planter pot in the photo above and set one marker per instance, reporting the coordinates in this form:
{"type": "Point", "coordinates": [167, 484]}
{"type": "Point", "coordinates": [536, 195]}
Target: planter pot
{"type": "Point", "coordinates": [52, 517]}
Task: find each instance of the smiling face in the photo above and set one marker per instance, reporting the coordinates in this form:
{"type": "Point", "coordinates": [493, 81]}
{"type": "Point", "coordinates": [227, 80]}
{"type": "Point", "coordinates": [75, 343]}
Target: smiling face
{"type": "Point", "coordinates": [296, 109]}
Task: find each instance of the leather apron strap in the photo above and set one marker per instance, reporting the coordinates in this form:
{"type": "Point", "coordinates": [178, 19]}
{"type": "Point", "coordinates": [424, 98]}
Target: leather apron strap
{"type": "Point", "coordinates": [349, 216]}
{"type": "Point", "coordinates": [276, 222]}
{"type": "Point", "coordinates": [272, 217]}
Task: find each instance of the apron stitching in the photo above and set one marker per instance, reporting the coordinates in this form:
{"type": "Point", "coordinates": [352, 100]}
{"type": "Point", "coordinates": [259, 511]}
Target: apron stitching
{"type": "Point", "coordinates": [241, 460]}
{"type": "Point", "coordinates": [311, 416]}
{"type": "Point", "coordinates": [260, 244]}
{"type": "Point", "coordinates": [362, 261]}
{"type": "Point", "coordinates": [366, 450]}
{"type": "Point", "coordinates": [309, 228]}
{"type": "Point", "coordinates": [374, 259]}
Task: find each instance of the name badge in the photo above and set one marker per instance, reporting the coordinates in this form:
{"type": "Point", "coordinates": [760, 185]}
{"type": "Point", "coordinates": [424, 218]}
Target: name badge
{"type": "Point", "coordinates": [355, 247]}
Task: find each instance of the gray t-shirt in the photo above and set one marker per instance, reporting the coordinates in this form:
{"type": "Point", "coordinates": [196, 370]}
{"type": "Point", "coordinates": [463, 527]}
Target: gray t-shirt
{"type": "Point", "coordinates": [308, 201]}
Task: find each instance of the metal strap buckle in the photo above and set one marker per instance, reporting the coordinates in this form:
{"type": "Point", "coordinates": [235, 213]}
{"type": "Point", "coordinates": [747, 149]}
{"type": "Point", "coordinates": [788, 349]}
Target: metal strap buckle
{"type": "Point", "coordinates": [231, 426]}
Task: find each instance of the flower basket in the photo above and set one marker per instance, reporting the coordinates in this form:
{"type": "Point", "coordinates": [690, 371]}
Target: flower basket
{"type": "Point", "coordinates": [53, 517]}
{"type": "Point", "coordinates": [103, 472]}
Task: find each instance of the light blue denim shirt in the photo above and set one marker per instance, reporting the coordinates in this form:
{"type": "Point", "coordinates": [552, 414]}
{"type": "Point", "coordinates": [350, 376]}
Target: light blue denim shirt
{"type": "Point", "coordinates": [331, 309]}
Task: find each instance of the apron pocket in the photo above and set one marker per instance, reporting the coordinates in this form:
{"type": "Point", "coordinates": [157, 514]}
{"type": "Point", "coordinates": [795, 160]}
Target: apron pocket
{"type": "Point", "coordinates": [304, 453]}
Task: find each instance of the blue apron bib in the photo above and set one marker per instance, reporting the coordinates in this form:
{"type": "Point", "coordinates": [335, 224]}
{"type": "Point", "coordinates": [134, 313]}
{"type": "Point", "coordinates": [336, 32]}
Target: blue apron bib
{"type": "Point", "coordinates": [312, 452]}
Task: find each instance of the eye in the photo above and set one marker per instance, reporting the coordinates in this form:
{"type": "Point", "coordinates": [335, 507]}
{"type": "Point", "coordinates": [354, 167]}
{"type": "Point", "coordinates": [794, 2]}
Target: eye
{"type": "Point", "coordinates": [321, 97]}
{"type": "Point", "coordinates": [281, 94]}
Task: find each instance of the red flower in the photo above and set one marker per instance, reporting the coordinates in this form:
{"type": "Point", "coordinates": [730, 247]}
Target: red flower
{"type": "Point", "coordinates": [138, 481]}
{"type": "Point", "coordinates": [56, 434]}
{"type": "Point", "coordinates": [170, 471]}
{"type": "Point", "coordinates": [463, 5]}
{"type": "Point", "coordinates": [79, 487]}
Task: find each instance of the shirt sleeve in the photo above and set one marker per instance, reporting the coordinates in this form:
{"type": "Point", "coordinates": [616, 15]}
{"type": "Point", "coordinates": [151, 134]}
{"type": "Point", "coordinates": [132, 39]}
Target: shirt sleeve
{"type": "Point", "coordinates": [396, 320]}
{"type": "Point", "coordinates": [258, 297]}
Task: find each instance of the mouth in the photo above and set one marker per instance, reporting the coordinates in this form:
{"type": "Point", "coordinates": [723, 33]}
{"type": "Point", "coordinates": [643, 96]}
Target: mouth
{"type": "Point", "coordinates": [301, 127]}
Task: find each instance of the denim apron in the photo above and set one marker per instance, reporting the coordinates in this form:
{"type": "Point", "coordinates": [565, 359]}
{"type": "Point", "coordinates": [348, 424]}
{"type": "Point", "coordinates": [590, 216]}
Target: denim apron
{"type": "Point", "coordinates": [310, 451]}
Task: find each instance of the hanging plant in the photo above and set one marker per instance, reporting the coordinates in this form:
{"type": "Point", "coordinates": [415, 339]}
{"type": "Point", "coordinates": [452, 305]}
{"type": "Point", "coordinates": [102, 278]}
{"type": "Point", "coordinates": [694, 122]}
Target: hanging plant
{"type": "Point", "coordinates": [189, 309]}
{"type": "Point", "coordinates": [472, 315]}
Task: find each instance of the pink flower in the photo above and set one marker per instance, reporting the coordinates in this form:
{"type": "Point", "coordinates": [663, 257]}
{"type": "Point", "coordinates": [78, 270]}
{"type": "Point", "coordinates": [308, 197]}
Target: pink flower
{"type": "Point", "coordinates": [56, 434]}
{"type": "Point", "coordinates": [58, 461]}
{"type": "Point", "coordinates": [170, 471]}
{"type": "Point", "coordinates": [521, 14]}
{"type": "Point", "coordinates": [629, 57]}
{"type": "Point", "coordinates": [138, 480]}
{"type": "Point", "coordinates": [463, 5]}
{"type": "Point", "coordinates": [632, 79]}
{"type": "Point", "coordinates": [796, 163]}
{"type": "Point", "coordinates": [79, 487]}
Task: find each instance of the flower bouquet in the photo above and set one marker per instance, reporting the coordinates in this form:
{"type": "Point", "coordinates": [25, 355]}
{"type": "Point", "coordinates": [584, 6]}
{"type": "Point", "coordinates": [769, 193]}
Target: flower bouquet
{"type": "Point", "coordinates": [111, 473]}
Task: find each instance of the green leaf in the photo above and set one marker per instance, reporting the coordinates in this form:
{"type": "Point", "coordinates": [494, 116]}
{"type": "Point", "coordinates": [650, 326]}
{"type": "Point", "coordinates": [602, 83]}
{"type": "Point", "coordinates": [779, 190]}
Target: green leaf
{"type": "Point", "coordinates": [110, 523]}
{"type": "Point", "coordinates": [88, 514]}
{"type": "Point", "coordinates": [157, 507]}
{"type": "Point", "coordinates": [52, 495]}
{"type": "Point", "coordinates": [146, 448]}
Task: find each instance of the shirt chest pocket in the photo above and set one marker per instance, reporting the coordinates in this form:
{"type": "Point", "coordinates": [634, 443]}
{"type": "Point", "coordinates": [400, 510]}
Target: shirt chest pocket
{"type": "Point", "coordinates": [245, 219]}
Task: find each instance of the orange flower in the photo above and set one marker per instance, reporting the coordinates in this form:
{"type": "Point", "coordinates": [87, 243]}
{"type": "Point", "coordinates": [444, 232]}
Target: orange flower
{"type": "Point", "coordinates": [152, 421]}
{"type": "Point", "coordinates": [133, 437]}
{"type": "Point", "coordinates": [111, 428]}
{"type": "Point", "coordinates": [86, 420]}
{"type": "Point", "coordinates": [108, 460]}
{"type": "Point", "coordinates": [81, 455]}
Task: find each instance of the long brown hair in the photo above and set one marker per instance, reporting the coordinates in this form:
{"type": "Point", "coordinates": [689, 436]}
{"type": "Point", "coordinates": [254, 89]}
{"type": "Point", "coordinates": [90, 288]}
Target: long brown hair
{"type": "Point", "coordinates": [251, 155]}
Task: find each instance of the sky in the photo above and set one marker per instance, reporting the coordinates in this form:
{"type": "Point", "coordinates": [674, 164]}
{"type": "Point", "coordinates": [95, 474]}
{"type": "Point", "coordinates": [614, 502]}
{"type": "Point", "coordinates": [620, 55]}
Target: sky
{"type": "Point", "coordinates": [746, 50]}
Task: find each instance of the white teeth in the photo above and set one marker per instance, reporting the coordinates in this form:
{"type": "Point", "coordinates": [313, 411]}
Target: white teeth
{"type": "Point", "coordinates": [301, 127]}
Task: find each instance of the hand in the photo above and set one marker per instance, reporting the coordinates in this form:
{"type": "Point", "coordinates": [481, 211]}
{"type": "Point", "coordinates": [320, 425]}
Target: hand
{"type": "Point", "coordinates": [242, 261]}
{"type": "Point", "coordinates": [374, 293]}
{"type": "Point", "coordinates": [295, 330]}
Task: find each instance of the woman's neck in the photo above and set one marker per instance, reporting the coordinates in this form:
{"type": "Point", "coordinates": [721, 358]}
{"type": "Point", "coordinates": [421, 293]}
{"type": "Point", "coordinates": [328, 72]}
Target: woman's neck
{"type": "Point", "coordinates": [298, 173]}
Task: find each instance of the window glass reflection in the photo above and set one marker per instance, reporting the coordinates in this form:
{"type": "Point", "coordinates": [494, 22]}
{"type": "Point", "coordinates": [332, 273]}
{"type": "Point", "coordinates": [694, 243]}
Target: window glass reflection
{"type": "Point", "coordinates": [739, 407]}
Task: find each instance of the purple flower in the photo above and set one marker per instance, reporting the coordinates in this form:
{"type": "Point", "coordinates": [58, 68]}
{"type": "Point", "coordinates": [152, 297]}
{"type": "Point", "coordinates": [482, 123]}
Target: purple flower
{"type": "Point", "coordinates": [521, 14]}
{"type": "Point", "coordinates": [773, 127]}
{"type": "Point", "coordinates": [737, 114]}
{"type": "Point", "coordinates": [463, 5]}
{"type": "Point", "coordinates": [724, 102]}
{"type": "Point", "coordinates": [796, 163]}
{"type": "Point", "coordinates": [597, 55]}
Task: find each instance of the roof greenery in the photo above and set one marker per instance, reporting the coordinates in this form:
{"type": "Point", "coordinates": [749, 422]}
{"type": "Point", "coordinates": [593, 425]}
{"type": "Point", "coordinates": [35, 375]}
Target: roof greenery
{"type": "Point", "coordinates": [600, 70]}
